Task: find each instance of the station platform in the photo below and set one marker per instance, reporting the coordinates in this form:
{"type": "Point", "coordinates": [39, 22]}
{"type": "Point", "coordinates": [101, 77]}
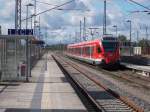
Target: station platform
{"type": "Point", "coordinates": [144, 69]}
{"type": "Point", "coordinates": [136, 60]}
{"type": "Point", "coordinates": [47, 91]}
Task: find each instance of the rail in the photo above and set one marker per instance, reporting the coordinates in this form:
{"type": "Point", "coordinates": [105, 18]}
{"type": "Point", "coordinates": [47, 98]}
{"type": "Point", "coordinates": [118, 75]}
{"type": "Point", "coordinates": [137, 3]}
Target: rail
{"type": "Point", "coordinates": [144, 69]}
{"type": "Point", "coordinates": [123, 99]}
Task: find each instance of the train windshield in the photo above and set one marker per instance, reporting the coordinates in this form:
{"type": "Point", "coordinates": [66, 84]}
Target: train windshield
{"type": "Point", "coordinates": [110, 46]}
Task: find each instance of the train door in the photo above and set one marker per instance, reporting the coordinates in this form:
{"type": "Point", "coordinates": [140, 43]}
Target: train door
{"type": "Point", "coordinates": [94, 51]}
{"type": "Point", "coordinates": [99, 51]}
{"type": "Point", "coordinates": [91, 51]}
{"type": "Point", "coordinates": [87, 50]}
{"type": "Point", "coordinates": [84, 53]}
{"type": "Point", "coordinates": [81, 48]}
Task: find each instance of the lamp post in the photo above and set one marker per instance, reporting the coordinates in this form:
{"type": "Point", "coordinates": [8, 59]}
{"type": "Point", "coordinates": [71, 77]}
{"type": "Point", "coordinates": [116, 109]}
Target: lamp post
{"type": "Point", "coordinates": [35, 4]}
{"type": "Point", "coordinates": [39, 28]}
{"type": "Point", "coordinates": [130, 22]}
{"type": "Point", "coordinates": [28, 5]}
{"type": "Point", "coordinates": [84, 29]}
{"type": "Point", "coordinates": [33, 15]}
{"type": "Point", "coordinates": [104, 19]}
{"type": "Point", "coordinates": [93, 31]}
{"type": "Point", "coordinates": [39, 32]}
{"type": "Point", "coordinates": [116, 28]}
{"type": "Point", "coordinates": [80, 30]}
{"type": "Point", "coordinates": [28, 64]}
{"type": "Point", "coordinates": [35, 26]}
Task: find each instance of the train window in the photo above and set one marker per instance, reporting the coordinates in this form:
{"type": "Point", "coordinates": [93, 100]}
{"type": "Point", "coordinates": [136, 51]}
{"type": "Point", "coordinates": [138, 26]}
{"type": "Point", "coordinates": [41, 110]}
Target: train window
{"type": "Point", "coordinates": [92, 49]}
{"type": "Point", "coordinates": [71, 50]}
{"type": "Point", "coordinates": [110, 46]}
{"type": "Point", "coordinates": [99, 50]}
{"type": "Point", "coordinates": [79, 50]}
{"type": "Point", "coordinates": [87, 51]}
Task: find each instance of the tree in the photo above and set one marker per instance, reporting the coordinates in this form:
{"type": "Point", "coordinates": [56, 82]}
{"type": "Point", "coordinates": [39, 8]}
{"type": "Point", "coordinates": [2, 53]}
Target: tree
{"type": "Point", "coordinates": [122, 38]}
{"type": "Point", "coordinates": [144, 43]}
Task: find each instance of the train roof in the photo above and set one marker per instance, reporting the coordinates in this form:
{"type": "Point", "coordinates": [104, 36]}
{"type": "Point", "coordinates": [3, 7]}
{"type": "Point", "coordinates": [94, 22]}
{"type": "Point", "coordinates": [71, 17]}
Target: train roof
{"type": "Point", "coordinates": [84, 43]}
{"type": "Point", "coordinates": [96, 41]}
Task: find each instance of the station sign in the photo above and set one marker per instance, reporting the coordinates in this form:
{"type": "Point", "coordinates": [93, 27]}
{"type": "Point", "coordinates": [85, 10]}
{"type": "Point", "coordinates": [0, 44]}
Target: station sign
{"type": "Point", "coordinates": [20, 31]}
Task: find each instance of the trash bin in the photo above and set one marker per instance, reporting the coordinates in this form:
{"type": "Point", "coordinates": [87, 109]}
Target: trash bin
{"type": "Point", "coordinates": [22, 69]}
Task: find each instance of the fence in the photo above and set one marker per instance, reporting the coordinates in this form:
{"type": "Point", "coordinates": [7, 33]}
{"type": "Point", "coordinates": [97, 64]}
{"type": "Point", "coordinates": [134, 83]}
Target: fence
{"type": "Point", "coordinates": [17, 52]}
{"type": "Point", "coordinates": [141, 51]}
{"type": "Point", "coordinates": [145, 51]}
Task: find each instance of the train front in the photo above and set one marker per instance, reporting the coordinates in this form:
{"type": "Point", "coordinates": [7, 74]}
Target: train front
{"type": "Point", "coordinates": [111, 50]}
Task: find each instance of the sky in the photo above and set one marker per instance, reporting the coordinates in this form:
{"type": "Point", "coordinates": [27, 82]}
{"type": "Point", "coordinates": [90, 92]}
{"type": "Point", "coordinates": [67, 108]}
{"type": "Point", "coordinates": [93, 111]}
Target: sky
{"type": "Point", "coordinates": [63, 25]}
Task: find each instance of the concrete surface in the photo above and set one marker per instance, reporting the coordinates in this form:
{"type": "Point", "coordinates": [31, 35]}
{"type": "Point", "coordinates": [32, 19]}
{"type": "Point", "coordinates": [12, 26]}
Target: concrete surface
{"type": "Point", "coordinates": [48, 91]}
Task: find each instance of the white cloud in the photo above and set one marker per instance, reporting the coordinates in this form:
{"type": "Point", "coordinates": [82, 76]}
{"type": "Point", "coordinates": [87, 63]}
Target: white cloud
{"type": "Point", "coordinates": [70, 19]}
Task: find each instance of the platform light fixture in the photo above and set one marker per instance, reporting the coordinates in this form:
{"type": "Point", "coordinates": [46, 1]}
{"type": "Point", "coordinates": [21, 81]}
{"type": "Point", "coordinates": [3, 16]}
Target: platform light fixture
{"type": "Point", "coordinates": [28, 73]}
{"type": "Point", "coordinates": [130, 22]}
{"type": "Point", "coordinates": [116, 28]}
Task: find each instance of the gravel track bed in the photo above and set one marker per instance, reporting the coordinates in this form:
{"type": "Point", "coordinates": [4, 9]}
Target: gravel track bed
{"type": "Point", "coordinates": [141, 98]}
{"type": "Point", "coordinates": [104, 99]}
{"type": "Point", "coordinates": [107, 101]}
{"type": "Point", "coordinates": [136, 78]}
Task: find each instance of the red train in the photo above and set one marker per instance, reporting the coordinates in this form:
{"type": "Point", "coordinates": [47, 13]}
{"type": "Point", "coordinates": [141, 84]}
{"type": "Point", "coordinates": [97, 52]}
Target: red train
{"type": "Point", "coordinates": [103, 51]}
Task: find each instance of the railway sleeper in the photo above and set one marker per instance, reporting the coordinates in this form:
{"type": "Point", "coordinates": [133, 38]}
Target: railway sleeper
{"type": "Point", "coordinates": [116, 107]}
{"type": "Point", "coordinates": [120, 111]}
{"type": "Point", "coordinates": [119, 105]}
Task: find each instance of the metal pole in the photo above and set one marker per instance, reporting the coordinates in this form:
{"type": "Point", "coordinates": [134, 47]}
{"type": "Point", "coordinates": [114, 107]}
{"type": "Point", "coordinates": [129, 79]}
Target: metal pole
{"type": "Point", "coordinates": [39, 28]}
{"type": "Point", "coordinates": [92, 33]}
{"type": "Point", "coordinates": [137, 36]}
{"type": "Point", "coordinates": [46, 49]}
{"type": "Point", "coordinates": [27, 48]}
{"type": "Point", "coordinates": [104, 19]}
{"type": "Point", "coordinates": [27, 17]}
{"type": "Point", "coordinates": [35, 15]}
{"type": "Point", "coordinates": [116, 31]}
{"type": "Point", "coordinates": [84, 30]}
{"type": "Point", "coordinates": [130, 36]}
{"type": "Point", "coordinates": [18, 14]}
{"type": "Point", "coordinates": [80, 30]}
{"type": "Point", "coordinates": [30, 47]}
{"type": "Point", "coordinates": [31, 22]}
{"type": "Point", "coordinates": [0, 30]}
{"type": "Point", "coordinates": [146, 28]}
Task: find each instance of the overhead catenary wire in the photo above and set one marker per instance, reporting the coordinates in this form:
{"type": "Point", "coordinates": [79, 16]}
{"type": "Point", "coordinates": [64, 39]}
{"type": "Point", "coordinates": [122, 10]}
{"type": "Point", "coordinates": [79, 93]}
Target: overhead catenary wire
{"type": "Point", "coordinates": [139, 4]}
{"type": "Point", "coordinates": [50, 9]}
{"type": "Point", "coordinates": [60, 8]}
{"type": "Point", "coordinates": [45, 3]}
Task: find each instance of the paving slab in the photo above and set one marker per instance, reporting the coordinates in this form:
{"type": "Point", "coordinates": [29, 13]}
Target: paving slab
{"type": "Point", "coordinates": [47, 91]}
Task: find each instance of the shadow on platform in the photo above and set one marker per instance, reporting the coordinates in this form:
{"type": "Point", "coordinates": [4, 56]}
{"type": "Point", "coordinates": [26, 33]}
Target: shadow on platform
{"type": "Point", "coordinates": [101, 95]}
{"type": "Point", "coordinates": [44, 110]}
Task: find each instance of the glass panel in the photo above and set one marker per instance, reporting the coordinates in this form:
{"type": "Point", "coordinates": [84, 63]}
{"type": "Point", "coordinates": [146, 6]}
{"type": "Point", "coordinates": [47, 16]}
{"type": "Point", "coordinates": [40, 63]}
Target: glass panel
{"type": "Point", "coordinates": [99, 50]}
{"type": "Point", "coordinates": [110, 46]}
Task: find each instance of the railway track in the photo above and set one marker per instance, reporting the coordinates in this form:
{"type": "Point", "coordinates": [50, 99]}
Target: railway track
{"type": "Point", "coordinates": [124, 75]}
{"type": "Point", "coordinates": [103, 97]}
{"type": "Point", "coordinates": [133, 77]}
